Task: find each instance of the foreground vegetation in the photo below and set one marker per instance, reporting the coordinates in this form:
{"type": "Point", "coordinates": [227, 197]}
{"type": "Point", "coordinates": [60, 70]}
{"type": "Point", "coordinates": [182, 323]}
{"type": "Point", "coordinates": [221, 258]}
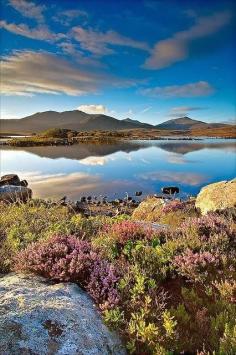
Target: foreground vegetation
{"type": "Point", "coordinates": [166, 291]}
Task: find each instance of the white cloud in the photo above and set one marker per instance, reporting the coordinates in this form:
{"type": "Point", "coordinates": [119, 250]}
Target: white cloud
{"type": "Point", "coordinates": [174, 158]}
{"type": "Point", "coordinates": [93, 161]}
{"type": "Point", "coordinates": [28, 9]}
{"type": "Point", "coordinates": [28, 72]}
{"type": "Point", "coordinates": [176, 48]}
{"type": "Point", "coordinates": [200, 88]}
{"type": "Point", "coordinates": [99, 43]}
{"type": "Point", "coordinates": [97, 109]}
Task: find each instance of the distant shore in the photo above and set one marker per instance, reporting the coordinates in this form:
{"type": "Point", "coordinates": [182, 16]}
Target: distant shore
{"type": "Point", "coordinates": [66, 137]}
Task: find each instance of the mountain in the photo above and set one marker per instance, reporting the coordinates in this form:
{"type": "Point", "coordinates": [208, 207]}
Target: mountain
{"type": "Point", "coordinates": [80, 121]}
{"type": "Point", "coordinates": [186, 124]}
{"type": "Point", "coordinates": [75, 120]}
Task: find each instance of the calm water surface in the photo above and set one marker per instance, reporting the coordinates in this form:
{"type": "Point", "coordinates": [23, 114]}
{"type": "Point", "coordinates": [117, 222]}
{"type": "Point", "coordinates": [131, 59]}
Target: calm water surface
{"type": "Point", "coordinates": [113, 169]}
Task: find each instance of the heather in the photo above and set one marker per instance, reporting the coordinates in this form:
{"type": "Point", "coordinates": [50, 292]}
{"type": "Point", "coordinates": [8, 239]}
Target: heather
{"type": "Point", "coordinates": [165, 291]}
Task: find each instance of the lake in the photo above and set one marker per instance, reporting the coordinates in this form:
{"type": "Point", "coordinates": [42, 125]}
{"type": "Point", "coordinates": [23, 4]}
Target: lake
{"type": "Point", "coordinates": [114, 169]}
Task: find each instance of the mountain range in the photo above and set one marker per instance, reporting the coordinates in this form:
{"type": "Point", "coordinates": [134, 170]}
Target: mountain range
{"type": "Point", "coordinates": [81, 121]}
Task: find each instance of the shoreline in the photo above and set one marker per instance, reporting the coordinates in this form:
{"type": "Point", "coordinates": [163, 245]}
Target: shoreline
{"type": "Point", "coordinates": [38, 141]}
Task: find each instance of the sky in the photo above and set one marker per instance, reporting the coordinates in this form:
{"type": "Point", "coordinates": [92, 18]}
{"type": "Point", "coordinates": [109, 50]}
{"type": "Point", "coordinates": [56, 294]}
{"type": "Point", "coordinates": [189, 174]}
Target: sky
{"type": "Point", "coordinates": [144, 59]}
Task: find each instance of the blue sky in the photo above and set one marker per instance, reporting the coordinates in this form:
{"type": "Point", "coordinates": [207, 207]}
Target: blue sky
{"type": "Point", "coordinates": [147, 60]}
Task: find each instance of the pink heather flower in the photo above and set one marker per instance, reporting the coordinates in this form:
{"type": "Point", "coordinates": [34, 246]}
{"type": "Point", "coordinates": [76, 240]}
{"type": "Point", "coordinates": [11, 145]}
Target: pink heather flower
{"type": "Point", "coordinates": [102, 285]}
{"type": "Point", "coordinates": [208, 225]}
{"type": "Point", "coordinates": [196, 266]}
{"type": "Point", "coordinates": [62, 258]}
{"type": "Point", "coordinates": [174, 206]}
{"type": "Point", "coordinates": [126, 230]}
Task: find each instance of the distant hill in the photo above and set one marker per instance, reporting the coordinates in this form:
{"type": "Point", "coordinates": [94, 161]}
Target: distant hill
{"type": "Point", "coordinates": [187, 124]}
{"type": "Point", "coordinates": [80, 121]}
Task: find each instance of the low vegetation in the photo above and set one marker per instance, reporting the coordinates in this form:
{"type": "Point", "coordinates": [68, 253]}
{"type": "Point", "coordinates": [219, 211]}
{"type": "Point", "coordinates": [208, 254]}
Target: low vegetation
{"type": "Point", "coordinates": [166, 291]}
{"type": "Point", "coordinates": [59, 136]}
{"type": "Point", "coordinates": [58, 133]}
{"type": "Point", "coordinates": [53, 136]}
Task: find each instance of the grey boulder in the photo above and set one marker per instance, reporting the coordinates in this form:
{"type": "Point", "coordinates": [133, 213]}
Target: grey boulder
{"type": "Point", "coordinates": [40, 317]}
{"type": "Point", "coordinates": [12, 193]}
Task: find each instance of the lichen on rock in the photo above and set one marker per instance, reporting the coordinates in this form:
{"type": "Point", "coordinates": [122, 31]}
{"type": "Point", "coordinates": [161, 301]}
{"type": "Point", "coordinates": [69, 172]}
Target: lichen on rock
{"type": "Point", "coordinates": [217, 196]}
{"type": "Point", "coordinates": [41, 317]}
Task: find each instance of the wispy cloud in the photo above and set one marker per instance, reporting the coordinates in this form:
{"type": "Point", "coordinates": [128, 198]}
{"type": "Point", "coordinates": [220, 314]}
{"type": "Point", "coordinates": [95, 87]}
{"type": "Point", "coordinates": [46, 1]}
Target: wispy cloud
{"type": "Point", "coordinates": [146, 109]}
{"type": "Point", "coordinates": [177, 48]}
{"type": "Point", "coordinates": [28, 72]}
{"type": "Point", "coordinates": [67, 16]}
{"type": "Point", "coordinates": [99, 43]}
{"type": "Point", "coordinates": [71, 49]}
{"type": "Point", "coordinates": [97, 109]}
{"type": "Point", "coordinates": [184, 110]}
{"type": "Point", "coordinates": [187, 108]}
{"type": "Point", "coordinates": [40, 32]}
{"type": "Point", "coordinates": [200, 88]}
{"type": "Point", "coordinates": [28, 9]}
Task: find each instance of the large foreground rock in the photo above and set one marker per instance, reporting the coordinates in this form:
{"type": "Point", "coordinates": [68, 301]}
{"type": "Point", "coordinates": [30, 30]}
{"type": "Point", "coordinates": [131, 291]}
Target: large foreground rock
{"type": "Point", "coordinates": [37, 317]}
{"type": "Point", "coordinates": [11, 193]}
{"type": "Point", "coordinates": [149, 209]}
{"type": "Point", "coordinates": [217, 196]}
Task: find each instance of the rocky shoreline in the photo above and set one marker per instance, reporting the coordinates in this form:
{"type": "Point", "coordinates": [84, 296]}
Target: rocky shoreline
{"type": "Point", "coordinates": [215, 196]}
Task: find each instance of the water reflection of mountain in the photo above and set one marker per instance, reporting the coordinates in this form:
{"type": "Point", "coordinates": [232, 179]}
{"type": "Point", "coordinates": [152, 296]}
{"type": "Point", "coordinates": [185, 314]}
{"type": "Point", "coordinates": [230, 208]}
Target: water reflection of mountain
{"type": "Point", "coordinates": [188, 147]}
{"type": "Point", "coordinates": [82, 151]}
